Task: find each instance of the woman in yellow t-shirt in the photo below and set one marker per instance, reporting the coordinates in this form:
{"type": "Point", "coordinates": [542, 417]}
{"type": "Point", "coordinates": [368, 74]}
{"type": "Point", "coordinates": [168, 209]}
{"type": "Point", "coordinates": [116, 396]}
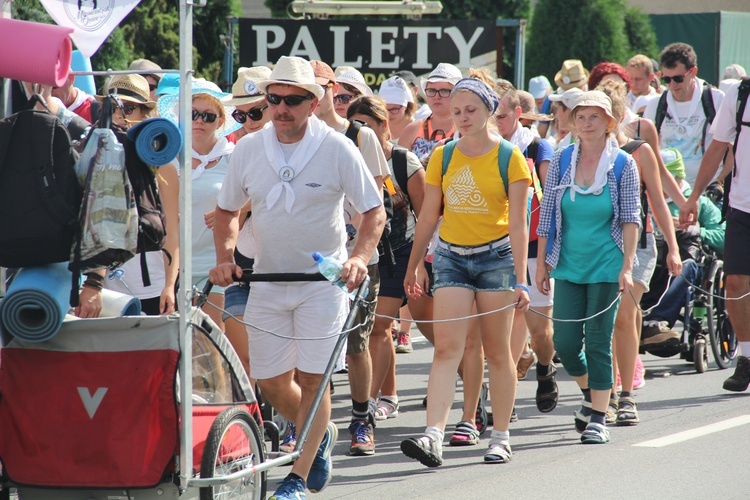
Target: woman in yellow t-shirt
{"type": "Point", "coordinates": [482, 248]}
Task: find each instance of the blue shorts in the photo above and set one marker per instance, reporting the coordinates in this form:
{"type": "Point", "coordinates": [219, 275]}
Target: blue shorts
{"type": "Point", "coordinates": [486, 271]}
{"type": "Point", "coordinates": [235, 300]}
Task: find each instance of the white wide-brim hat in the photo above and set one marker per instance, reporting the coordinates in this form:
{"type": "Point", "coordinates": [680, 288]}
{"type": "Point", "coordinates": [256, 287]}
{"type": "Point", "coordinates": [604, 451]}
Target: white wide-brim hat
{"type": "Point", "coordinates": [443, 72]}
{"type": "Point", "coordinates": [293, 71]}
{"type": "Point", "coordinates": [351, 76]}
{"type": "Point", "coordinates": [245, 90]}
{"type": "Point", "coordinates": [169, 105]}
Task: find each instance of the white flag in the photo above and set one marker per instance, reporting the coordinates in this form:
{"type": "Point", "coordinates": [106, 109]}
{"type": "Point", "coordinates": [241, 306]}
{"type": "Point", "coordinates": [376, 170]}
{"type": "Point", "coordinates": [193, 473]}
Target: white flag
{"type": "Point", "coordinates": [91, 20]}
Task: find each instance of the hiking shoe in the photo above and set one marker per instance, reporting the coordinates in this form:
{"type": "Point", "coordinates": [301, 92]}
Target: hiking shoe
{"type": "Point", "coordinates": [523, 365]}
{"type": "Point", "coordinates": [290, 440]}
{"type": "Point", "coordinates": [403, 343]}
{"type": "Point", "coordinates": [498, 453]}
{"type": "Point", "coordinates": [363, 439]}
{"type": "Point", "coordinates": [465, 434]}
{"type": "Point", "coordinates": [427, 449]}
{"type": "Point", "coordinates": [655, 334]}
{"type": "Point", "coordinates": [595, 434]}
{"type": "Point", "coordinates": [513, 416]}
{"type": "Point", "coordinates": [741, 378]}
{"type": "Point", "coordinates": [639, 379]}
{"type": "Point", "coordinates": [291, 488]}
{"type": "Point", "coordinates": [546, 392]}
{"type": "Point", "coordinates": [322, 466]}
{"type": "Point", "coordinates": [386, 409]}
{"type": "Point", "coordinates": [481, 419]}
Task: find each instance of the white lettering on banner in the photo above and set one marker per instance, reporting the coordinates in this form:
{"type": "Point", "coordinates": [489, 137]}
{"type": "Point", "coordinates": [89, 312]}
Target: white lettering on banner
{"type": "Point", "coordinates": [339, 48]}
{"type": "Point", "coordinates": [464, 47]}
{"type": "Point", "coordinates": [423, 34]}
{"type": "Point", "coordinates": [91, 403]}
{"type": "Point", "coordinates": [304, 39]}
{"type": "Point", "coordinates": [377, 47]}
{"type": "Point", "coordinates": [264, 44]}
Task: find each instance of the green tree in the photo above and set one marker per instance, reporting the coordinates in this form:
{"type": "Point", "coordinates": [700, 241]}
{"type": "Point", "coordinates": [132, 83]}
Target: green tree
{"type": "Point", "coordinates": [590, 30]}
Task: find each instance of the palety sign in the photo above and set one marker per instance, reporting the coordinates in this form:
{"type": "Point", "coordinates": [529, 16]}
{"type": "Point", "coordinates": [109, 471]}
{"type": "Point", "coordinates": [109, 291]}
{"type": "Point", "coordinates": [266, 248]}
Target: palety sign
{"type": "Point", "coordinates": [376, 48]}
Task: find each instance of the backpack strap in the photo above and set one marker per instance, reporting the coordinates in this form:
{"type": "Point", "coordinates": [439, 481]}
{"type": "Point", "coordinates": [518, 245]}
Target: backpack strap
{"type": "Point", "coordinates": [398, 159]}
{"type": "Point", "coordinates": [564, 163]}
{"type": "Point", "coordinates": [352, 131]}
{"type": "Point", "coordinates": [533, 151]}
{"type": "Point", "coordinates": [503, 159]}
{"type": "Point", "coordinates": [630, 148]}
{"type": "Point", "coordinates": [707, 101]}
{"type": "Point", "coordinates": [743, 91]}
{"type": "Point", "coordinates": [661, 112]}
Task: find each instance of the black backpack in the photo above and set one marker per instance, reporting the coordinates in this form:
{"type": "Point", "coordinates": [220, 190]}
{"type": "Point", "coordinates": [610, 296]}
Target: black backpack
{"type": "Point", "coordinates": [40, 196]}
{"type": "Point", "coordinates": [707, 102]}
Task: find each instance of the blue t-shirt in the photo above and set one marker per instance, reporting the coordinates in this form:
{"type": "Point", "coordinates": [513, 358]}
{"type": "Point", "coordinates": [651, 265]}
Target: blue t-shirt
{"type": "Point", "coordinates": [546, 106]}
{"type": "Point", "coordinates": [543, 153]}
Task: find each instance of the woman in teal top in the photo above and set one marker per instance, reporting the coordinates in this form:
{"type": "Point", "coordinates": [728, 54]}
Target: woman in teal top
{"type": "Point", "coordinates": [591, 213]}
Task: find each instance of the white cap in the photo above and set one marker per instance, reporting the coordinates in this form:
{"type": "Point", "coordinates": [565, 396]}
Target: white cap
{"type": "Point", "coordinates": [352, 76]}
{"type": "Point", "coordinates": [569, 97]}
{"type": "Point", "coordinates": [396, 91]}
{"type": "Point", "coordinates": [443, 72]}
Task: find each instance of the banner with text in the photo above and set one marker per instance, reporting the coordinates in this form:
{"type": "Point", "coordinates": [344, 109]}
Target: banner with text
{"type": "Point", "coordinates": [376, 48]}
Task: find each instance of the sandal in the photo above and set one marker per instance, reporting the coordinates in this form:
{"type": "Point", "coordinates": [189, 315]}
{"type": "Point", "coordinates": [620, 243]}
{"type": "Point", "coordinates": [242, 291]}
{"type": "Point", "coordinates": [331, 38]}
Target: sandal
{"type": "Point", "coordinates": [547, 401]}
{"type": "Point", "coordinates": [595, 434]}
{"type": "Point", "coordinates": [480, 416]}
{"type": "Point", "coordinates": [498, 454]}
{"type": "Point", "coordinates": [466, 434]}
{"type": "Point", "coordinates": [386, 409]}
{"type": "Point", "coordinates": [581, 420]}
{"type": "Point", "coordinates": [627, 414]}
{"type": "Point", "coordinates": [612, 410]}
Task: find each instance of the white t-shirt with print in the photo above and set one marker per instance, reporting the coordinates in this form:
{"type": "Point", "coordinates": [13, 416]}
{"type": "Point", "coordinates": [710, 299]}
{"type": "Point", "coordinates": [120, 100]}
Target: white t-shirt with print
{"type": "Point", "coordinates": [723, 129]}
{"type": "Point", "coordinates": [683, 132]}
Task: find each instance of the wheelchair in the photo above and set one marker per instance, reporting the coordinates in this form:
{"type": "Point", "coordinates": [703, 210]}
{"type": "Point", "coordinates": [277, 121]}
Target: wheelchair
{"type": "Point", "coordinates": [705, 321]}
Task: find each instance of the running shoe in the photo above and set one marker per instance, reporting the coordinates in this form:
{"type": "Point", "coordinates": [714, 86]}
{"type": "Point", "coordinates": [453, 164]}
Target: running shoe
{"type": "Point", "coordinates": [322, 466]}
{"type": "Point", "coordinates": [291, 488]}
{"type": "Point", "coordinates": [290, 440]}
{"type": "Point", "coordinates": [403, 343]}
{"type": "Point", "coordinates": [363, 439]}
{"type": "Point", "coordinates": [427, 449]}
{"type": "Point", "coordinates": [741, 378]}
{"type": "Point", "coordinates": [639, 379]}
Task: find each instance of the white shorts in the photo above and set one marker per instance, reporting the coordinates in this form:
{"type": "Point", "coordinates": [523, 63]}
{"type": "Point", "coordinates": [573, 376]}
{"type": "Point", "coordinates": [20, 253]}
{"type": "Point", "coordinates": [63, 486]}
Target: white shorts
{"type": "Point", "coordinates": [537, 298]}
{"type": "Point", "coordinates": [302, 311]}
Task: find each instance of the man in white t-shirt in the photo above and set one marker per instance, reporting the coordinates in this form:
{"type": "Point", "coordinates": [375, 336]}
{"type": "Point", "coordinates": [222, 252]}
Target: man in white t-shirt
{"type": "Point", "coordinates": [296, 173]}
{"type": "Point", "coordinates": [737, 242]}
{"type": "Point", "coordinates": [684, 126]}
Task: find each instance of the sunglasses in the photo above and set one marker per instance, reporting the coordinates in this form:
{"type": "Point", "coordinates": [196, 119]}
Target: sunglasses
{"type": "Point", "coordinates": [255, 114]}
{"type": "Point", "coordinates": [677, 79]}
{"type": "Point", "coordinates": [127, 109]}
{"type": "Point", "coordinates": [290, 100]}
{"type": "Point", "coordinates": [343, 98]}
{"type": "Point", "coordinates": [441, 92]}
{"type": "Point", "coordinates": [205, 116]}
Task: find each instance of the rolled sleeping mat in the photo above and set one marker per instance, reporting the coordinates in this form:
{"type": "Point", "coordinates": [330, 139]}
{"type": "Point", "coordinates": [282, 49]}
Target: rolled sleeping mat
{"type": "Point", "coordinates": [83, 82]}
{"type": "Point", "coordinates": [35, 52]}
{"type": "Point", "coordinates": [36, 302]}
{"type": "Point", "coordinates": [118, 304]}
{"type": "Point", "coordinates": [158, 141]}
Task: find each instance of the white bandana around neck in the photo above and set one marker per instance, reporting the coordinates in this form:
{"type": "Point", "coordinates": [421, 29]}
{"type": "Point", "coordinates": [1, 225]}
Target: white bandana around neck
{"type": "Point", "coordinates": [287, 170]}
{"type": "Point", "coordinates": [522, 138]}
{"type": "Point", "coordinates": [222, 148]}
{"type": "Point", "coordinates": [684, 129]}
{"type": "Point", "coordinates": [606, 162]}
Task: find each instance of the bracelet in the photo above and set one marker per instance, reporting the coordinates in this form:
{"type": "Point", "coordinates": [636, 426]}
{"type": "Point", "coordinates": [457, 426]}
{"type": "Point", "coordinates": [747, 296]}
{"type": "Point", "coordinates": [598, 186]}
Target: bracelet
{"type": "Point", "coordinates": [95, 278]}
{"type": "Point", "coordinates": [93, 284]}
{"type": "Point", "coordinates": [522, 287]}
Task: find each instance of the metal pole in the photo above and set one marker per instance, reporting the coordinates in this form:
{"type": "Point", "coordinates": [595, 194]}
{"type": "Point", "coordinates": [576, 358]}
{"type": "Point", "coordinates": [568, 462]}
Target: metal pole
{"type": "Point", "coordinates": [521, 54]}
{"type": "Point", "coordinates": [186, 271]}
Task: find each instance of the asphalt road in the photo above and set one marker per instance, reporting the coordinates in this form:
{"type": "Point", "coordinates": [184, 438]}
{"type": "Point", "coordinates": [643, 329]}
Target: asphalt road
{"type": "Point", "coordinates": [693, 442]}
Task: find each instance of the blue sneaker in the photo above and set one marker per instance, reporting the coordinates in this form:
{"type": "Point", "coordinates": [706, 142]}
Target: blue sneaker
{"type": "Point", "coordinates": [291, 488]}
{"type": "Point", "coordinates": [322, 466]}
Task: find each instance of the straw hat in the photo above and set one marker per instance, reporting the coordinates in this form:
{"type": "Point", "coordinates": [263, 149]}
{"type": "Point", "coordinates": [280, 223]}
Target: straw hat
{"type": "Point", "coordinates": [129, 88]}
{"type": "Point", "coordinates": [146, 67]}
{"type": "Point", "coordinates": [168, 105]}
{"type": "Point", "coordinates": [245, 90]}
{"type": "Point", "coordinates": [353, 77]}
{"type": "Point", "coordinates": [293, 71]}
{"type": "Point", "coordinates": [443, 72]}
{"type": "Point", "coordinates": [572, 74]}
{"type": "Point", "coordinates": [593, 98]}
{"type": "Point", "coordinates": [396, 91]}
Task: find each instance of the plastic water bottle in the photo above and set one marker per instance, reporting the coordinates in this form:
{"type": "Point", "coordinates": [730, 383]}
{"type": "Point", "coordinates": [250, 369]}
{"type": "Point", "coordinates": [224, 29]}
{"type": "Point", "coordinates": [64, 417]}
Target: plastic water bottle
{"type": "Point", "coordinates": [331, 269]}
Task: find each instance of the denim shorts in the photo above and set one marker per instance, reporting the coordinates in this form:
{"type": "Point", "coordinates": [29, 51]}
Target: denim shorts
{"type": "Point", "coordinates": [488, 271]}
{"type": "Point", "coordinates": [235, 300]}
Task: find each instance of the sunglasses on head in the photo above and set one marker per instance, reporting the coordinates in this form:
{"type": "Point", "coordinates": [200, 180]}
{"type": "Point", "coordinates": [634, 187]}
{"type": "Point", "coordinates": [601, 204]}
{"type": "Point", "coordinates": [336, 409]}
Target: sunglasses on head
{"type": "Point", "coordinates": [255, 114]}
{"type": "Point", "coordinates": [127, 109]}
{"type": "Point", "coordinates": [677, 79]}
{"type": "Point", "coordinates": [205, 116]}
{"type": "Point", "coordinates": [290, 100]}
{"type": "Point", "coordinates": [430, 92]}
{"type": "Point", "coordinates": [343, 98]}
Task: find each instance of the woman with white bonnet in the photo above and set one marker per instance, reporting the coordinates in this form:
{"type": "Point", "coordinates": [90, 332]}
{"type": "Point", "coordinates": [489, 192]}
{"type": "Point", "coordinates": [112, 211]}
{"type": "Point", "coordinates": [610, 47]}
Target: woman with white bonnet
{"type": "Point", "coordinates": [399, 101]}
{"type": "Point", "coordinates": [561, 106]}
{"type": "Point", "coordinates": [591, 213]}
{"type": "Point", "coordinates": [211, 123]}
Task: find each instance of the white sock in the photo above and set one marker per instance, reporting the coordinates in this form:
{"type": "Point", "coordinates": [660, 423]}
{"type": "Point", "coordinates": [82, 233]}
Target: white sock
{"type": "Point", "coordinates": [392, 399]}
{"type": "Point", "coordinates": [745, 349]}
{"type": "Point", "coordinates": [527, 355]}
{"type": "Point", "coordinates": [500, 437]}
{"type": "Point", "coordinates": [439, 434]}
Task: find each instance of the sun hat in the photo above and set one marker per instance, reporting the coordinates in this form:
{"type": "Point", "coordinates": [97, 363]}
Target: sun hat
{"type": "Point", "coordinates": [145, 67]}
{"type": "Point", "coordinates": [352, 76]}
{"type": "Point", "coordinates": [409, 77]}
{"type": "Point", "coordinates": [129, 88]}
{"type": "Point", "coordinates": [168, 105]}
{"type": "Point", "coordinates": [324, 75]}
{"type": "Point", "coordinates": [396, 91]}
{"type": "Point", "coordinates": [169, 84]}
{"type": "Point", "coordinates": [245, 89]}
{"type": "Point", "coordinates": [539, 86]}
{"type": "Point", "coordinates": [443, 72]}
{"type": "Point", "coordinates": [593, 98]}
{"type": "Point", "coordinates": [673, 161]}
{"type": "Point", "coordinates": [733, 72]}
{"type": "Point", "coordinates": [528, 107]}
{"type": "Point", "coordinates": [569, 97]}
{"type": "Point", "coordinates": [293, 71]}
{"type": "Point", "coordinates": [572, 74]}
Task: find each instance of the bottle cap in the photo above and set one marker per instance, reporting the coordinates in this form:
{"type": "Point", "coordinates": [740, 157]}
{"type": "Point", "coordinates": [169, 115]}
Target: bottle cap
{"type": "Point", "coordinates": [317, 257]}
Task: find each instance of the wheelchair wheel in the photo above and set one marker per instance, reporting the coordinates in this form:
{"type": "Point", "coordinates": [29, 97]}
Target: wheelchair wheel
{"type": "Point", "coordinates": [700, 356]}
{"type": "Point", "coordinates": [233, 443]}
{"type": "Point", "coordinates": [723, 341]}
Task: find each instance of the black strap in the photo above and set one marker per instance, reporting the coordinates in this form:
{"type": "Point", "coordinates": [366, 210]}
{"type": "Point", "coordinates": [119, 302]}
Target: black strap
{"type": "Point", "coordinates": [638, 128]}
{"type": "Point", "coordinates": [707, 101]}
{"type": "Point", "coordinates": [532, 152]}
{"type": "Point", "coordinates": [398, 159]}
{"type": "Point", "coordinates": [630, 148]}
{"type": "Point", "coordinates": [661, 112]}
{"type": "Point", "coordinates": [352, 131]}
{"type": "Point", "coordinates": [633, 145]}
{"type": "Point", "coordinates": [743, 92]}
